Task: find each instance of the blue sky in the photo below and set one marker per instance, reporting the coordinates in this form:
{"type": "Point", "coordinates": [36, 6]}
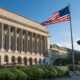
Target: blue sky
{"type": "Point", "coordinates": [40, 10]}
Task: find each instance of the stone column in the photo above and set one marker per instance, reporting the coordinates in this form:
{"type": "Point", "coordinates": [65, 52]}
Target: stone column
{"type": "Point", "coordinates": [33, 62]}
{"type": "Point", "coordinates": [26, 42]}
{"type": "Point", "coordinates": [28, 61]}
{"type": "Point", "coordinates": [31, 42]}
{"type": "Point", "coordinates": [2, 46]}
{"type": "Point", "coordinates": [45, 44]}
{"type": "Point", "coordinates": [9, 39]}
{"type": "Point", "coordinates": [48, 42]}
{"type": "Point", "coordinates": [21, 38]}
{"type": "Point", "coordinates": [0, 36]}
{"type": "Point", "coordinates": [36, 44]}
{"type": "Point", "coordinates": [2, 59]}
{"type": "Point", "coordinates": [16, 40]}
{"type": "Point", "coordinates": [41, 44]}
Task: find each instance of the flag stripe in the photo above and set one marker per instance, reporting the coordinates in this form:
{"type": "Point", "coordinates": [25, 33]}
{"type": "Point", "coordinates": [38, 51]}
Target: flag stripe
{"type": "Point", "coordinates": [60, 16]}
{"type": "Point", "coordinates": [56, 14]}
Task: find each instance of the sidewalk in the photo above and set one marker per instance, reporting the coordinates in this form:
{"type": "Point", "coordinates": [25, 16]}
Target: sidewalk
{"type": "Point", "coordinates": [74, 76]}
{"type": "Point", "coordinates": [69, 78]}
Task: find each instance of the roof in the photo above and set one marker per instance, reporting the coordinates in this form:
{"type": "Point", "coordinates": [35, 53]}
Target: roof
{"type": "Point", "coordinates": [63, 48]}
{"type": "Point", "coordinates": [21, 19]}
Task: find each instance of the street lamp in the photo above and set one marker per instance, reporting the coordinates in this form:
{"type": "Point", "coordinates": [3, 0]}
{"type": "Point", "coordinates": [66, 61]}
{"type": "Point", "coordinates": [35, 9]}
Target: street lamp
{"type": "Point", "coordinates": [78, 42]}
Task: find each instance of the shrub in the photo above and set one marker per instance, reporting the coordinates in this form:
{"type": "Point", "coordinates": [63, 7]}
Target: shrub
{"type": "Point", "coordinates": [60, 72]}
{"type": "Point", "coordinates": [55, 71]}
{"type": "Point", "coordinates": [70, 67]}
{"type": "Point", "coordinates": [19, 74]}
{"type": "Point", "coordinates": [33, 72]}
{"type": "Point", "coordinates": [78, 68]}
{"type": "Point", "coordinates": [5, 74]}
{"type": "Point", "coordinates": [30, 73]}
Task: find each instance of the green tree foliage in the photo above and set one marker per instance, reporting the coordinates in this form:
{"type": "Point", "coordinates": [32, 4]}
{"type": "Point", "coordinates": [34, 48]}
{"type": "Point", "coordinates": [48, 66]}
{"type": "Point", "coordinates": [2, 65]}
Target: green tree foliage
{"type": "Point", "coordinates": [62, 61]}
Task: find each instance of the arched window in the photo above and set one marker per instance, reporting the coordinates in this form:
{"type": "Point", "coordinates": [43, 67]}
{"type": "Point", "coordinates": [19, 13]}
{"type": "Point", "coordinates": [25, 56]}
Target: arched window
{"type": "Point", "coordinates": [44, 61]}
{"type": "Point", "coordinates": [19, 60]}
{"type": "Point", "coordinates": [13, 59]}
{"type": "Point", "coordinates": [25, 60]}
{"type": "Point", "coordinates": [6, 59]}
{"type": "Point", "coordinates": [30, 61]}
{"type": "Point", "coordinates": [35, 60]}
{"type": "Point", "coordinates": [39, 61]}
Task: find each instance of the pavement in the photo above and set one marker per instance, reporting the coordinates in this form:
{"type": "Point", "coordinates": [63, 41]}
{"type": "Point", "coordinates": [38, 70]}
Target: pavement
{"type": "Point", "coordinates": [69, 78]}
{"type": "Point", "coordinates": [74, 76]}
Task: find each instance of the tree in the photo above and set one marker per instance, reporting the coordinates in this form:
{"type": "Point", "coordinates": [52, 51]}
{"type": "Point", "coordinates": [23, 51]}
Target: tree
{"type": "Point", "coordinates": [62, 61]}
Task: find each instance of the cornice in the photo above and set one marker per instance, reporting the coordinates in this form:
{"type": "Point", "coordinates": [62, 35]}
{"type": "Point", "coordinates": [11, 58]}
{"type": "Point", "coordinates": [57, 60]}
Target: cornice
{"type": "Point", "coordinates": [15, 21]}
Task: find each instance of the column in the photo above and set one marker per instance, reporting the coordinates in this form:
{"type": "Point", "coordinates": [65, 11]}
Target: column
{"type": "Point", "coordinates": [16, 40]}
{"type": "Point", "coordinates": [9, 39]}
{"type": "Point", "coordinates": [36, 44]}
{"type": "Point", "coordinates": [2, 26]}
{"type": "Point", "coordinates": [31, 42]}
{"type": "Point", "coordinates": [26, 41]}
{"type": "Point", "coordinates": [28, 61]}
{"type": "Point", "coordinates": [48, 42]}
{"type": "Point", "coordinates": [2, 59]}
{"type": "Point", "coordinates": [21, 38]}
{"type": "Point", "coordinates": [45, 44]}
{"type": "Point", "coordinates": [0, 36]}
{"type": "Point", "coordinates": [28, 44]}
{"type": "Point", "coordinates": [41, 44]}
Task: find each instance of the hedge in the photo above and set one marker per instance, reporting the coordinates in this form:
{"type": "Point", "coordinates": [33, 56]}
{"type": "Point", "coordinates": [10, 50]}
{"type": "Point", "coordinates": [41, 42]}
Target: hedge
{"type": "Point", "coordinates": [30, 73]}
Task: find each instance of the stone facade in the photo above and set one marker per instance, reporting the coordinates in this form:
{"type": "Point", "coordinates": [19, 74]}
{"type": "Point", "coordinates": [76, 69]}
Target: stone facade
{"type": "Point", "coordinates": [22, 41]}
{"type": "Point", "coordinates": [56, 52]}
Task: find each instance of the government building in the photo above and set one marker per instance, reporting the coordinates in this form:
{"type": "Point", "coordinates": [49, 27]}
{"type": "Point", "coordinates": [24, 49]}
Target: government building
{"type": "Point", "coordinates": [22, 41]}
{"type": "Point", "coordinates": [59, 52]}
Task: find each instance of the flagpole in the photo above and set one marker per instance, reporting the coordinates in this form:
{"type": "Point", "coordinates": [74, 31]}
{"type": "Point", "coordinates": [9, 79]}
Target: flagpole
{"type": "Point", "coordinates": [71, 31]}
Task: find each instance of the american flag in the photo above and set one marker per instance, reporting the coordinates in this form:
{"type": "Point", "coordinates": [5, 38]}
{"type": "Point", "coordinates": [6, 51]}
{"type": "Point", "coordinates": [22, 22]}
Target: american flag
{"type": "Point", "coordinates": [60, 16]}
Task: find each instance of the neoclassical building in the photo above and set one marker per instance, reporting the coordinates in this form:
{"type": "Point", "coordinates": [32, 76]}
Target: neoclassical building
{"type": "Point", "coordinates": [22, 41]}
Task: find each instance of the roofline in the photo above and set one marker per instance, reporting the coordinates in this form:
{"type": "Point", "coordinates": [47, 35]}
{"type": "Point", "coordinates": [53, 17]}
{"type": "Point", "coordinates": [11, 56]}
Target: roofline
{"type": "Point", "coordinates": [20, 15]}
{"type": "Point", "coordinates": [24, 17]}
